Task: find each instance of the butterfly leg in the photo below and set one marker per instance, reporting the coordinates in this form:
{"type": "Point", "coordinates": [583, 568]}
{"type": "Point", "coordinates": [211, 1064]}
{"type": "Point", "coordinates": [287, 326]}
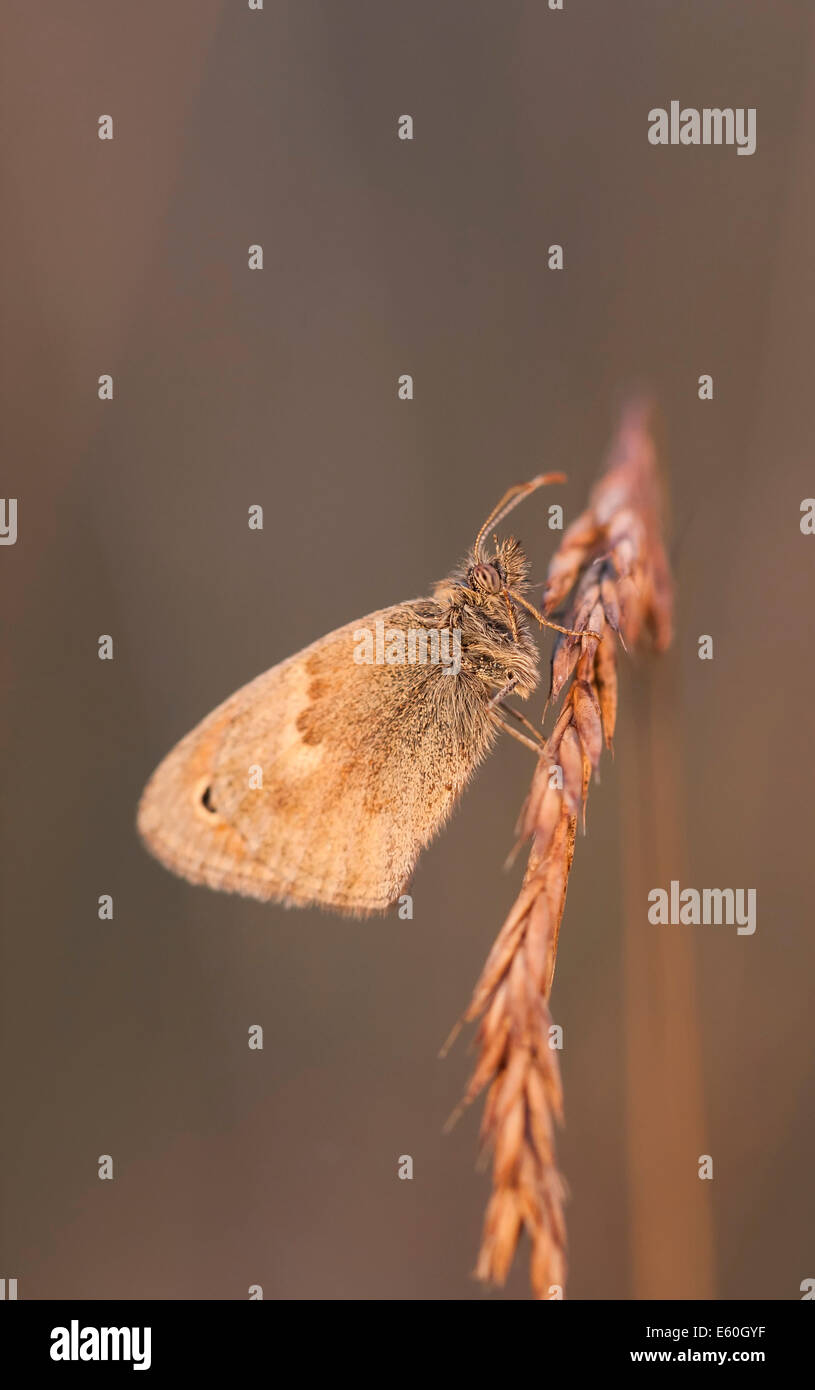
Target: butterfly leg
{"type": "Point", "coordinates": [571, 631]}
{"type": "Point", "coordinates": [497, 702]}
{"type": "Point", "coordinates": [547, 622]}
{"type": "Point", "coordinates": [503, 692]}
{"type": "Point", "coordinates": [537, 747]}
{"type": "Point", "coordinates": [516, 714]}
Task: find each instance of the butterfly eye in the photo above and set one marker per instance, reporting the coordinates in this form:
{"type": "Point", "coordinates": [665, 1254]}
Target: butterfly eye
{"type": "Point", "coordinates": [486, 577]}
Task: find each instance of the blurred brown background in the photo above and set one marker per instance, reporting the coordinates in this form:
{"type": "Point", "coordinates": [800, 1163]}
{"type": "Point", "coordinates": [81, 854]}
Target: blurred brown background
{"type": "Point", "coordinates": [232, 388]}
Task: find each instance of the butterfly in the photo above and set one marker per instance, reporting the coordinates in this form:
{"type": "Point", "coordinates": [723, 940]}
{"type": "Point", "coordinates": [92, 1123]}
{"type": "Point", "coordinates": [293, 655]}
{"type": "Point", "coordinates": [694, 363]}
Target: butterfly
{"type": "Point", "coordinates": [321, 781]}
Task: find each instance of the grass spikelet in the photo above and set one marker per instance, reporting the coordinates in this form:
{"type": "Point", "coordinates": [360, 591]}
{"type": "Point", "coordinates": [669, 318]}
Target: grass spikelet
{"type": "Point", "coordinates": [609, 575]}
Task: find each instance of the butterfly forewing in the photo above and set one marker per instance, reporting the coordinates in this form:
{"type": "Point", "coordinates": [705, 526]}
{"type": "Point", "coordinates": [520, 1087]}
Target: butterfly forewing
{"type": "Point", "coordinates": [321, 780]}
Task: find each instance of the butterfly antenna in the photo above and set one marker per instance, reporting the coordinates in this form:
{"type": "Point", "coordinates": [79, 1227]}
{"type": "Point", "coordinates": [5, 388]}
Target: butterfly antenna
{"type": "Point", "coordinates": [511, 499]}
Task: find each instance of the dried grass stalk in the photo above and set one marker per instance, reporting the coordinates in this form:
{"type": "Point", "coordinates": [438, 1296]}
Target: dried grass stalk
{"type": "Point", "coordinates": [612, 568]}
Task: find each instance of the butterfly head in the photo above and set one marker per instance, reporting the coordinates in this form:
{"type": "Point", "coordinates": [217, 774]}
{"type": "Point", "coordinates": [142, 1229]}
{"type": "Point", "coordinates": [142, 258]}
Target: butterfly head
{"type": "Point", "coordinates": [492, 583]}
{"type": "Point", "coordinates": [488, 575]}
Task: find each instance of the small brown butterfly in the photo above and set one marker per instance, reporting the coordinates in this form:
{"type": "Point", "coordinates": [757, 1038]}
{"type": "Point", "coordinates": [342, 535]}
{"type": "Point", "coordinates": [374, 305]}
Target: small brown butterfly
{"type": "Point", "coordinates": [323, 779]}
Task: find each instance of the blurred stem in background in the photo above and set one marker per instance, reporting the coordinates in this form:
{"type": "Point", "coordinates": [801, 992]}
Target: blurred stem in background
{"type": "Point", "coordinates": [670, 1207]}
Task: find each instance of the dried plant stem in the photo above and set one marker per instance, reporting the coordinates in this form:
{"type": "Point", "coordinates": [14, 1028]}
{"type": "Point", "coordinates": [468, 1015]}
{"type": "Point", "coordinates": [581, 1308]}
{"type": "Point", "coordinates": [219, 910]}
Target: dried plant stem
{"type": "Point", "coordinates": [612, 569]}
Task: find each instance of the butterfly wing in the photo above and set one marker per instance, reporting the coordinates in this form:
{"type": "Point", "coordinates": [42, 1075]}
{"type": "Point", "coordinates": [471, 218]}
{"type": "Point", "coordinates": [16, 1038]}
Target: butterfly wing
{"type": "Point", "coordinates": [321, 780]}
